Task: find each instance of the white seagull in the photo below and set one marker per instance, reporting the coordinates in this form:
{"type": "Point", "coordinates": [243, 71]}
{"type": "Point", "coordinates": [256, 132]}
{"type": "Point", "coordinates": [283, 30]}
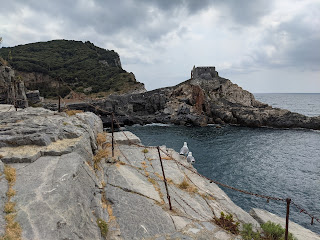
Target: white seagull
{"type": "Point", "coordinates": [190, 158]}
{"type": "Point", "coordinates": [184, 150]}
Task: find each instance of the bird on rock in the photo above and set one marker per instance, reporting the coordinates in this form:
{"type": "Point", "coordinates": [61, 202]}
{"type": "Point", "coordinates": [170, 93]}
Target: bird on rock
{"type": "Point", "coordinates": [190, 158]}
{"type": "Point", "coordinates": [184, 150]}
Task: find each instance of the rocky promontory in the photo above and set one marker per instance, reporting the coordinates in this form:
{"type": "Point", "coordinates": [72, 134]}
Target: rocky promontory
{"type": "Point", "coordinates": [204, 99]}
{"type": "Point", "coordinates": [58, 180]}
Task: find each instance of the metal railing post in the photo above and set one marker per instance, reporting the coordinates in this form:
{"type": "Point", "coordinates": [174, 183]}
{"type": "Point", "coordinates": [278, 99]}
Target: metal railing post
{"type": "Point", "coordinates": [112, 144]}
{"type": "Point", "coordinates": [287, 219]}
{"type": "Point", "coordinates": [164, 179]}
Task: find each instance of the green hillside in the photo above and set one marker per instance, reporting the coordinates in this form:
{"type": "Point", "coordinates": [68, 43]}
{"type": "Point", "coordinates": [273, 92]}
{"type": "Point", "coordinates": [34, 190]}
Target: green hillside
{"type": "Point", "coordinates": [84, 66]}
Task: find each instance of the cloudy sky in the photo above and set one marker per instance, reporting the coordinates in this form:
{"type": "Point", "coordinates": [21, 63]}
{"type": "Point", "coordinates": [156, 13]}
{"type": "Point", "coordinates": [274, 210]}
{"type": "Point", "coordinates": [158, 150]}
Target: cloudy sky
{"type": "Point", "coordinates": [262, 45]}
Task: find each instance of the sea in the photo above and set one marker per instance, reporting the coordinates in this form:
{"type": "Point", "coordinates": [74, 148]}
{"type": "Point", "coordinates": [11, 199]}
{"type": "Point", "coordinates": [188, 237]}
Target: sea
{"type": "Point", "coordinates": [283, 163]}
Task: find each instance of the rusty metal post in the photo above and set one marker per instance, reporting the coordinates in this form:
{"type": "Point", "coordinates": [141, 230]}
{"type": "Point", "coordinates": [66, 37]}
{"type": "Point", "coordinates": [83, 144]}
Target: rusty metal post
{"type": "Point", "coordinates": [164, 179]}
{"type": "Point", "coordinates": [59, 104]}
{"type": "Point", "coordinates": [287, 218]}
{"type": "Point", "coordinates": [112, 146]}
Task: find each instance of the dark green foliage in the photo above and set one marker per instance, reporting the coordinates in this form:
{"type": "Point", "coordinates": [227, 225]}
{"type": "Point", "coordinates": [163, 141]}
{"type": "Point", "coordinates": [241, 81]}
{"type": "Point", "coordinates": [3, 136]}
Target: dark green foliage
{"type": "Point", "coordinates": [271, 231]}
{"type": "Point", "coordinates": [103, 227]}
{"type": "Point", "coordinates": [274, 231]}
{"type": "Point", "coordinates": [79, 64]}
{"type": "Point", "coordinates": [248, 234]}
{"type": "Point", "coordinates": [227, 222]}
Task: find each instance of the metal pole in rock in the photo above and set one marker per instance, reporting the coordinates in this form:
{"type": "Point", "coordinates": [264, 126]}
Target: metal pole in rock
{"type": "Point", "coordinates": [59, 105]}
{"type": "Point", "coordinates": [287, 219]}
{"type": "Point", "coordinates": [112, 135]}
{"type": "Point", "coordinates": [164, 179]}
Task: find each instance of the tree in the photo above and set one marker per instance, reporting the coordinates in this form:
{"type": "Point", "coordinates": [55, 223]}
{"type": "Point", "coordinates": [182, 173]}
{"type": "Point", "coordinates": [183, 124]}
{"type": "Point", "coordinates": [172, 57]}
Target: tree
{"type": "Point", "coordinates": [0, 40]}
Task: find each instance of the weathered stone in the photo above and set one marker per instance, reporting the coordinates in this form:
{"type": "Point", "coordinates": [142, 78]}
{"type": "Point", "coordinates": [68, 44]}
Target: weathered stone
{"type": "Point", "coordinates": [206, 98]}
{"type": "Point", "coordinates": [299, 232]}
{"type": "Point", "coordinates": [138, 216]}
{"type": "Point", "coordinates": [12, 89]}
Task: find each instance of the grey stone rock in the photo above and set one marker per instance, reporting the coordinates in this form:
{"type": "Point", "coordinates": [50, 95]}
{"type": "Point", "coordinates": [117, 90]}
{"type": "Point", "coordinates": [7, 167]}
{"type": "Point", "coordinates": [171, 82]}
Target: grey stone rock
{"type": "Point", "coordinates": [299, 232]}
{"type": "Point", "coordinates": [54, 198]}
{"type": "Point", "coordinates": [206, 98]}
{"type": "Point", "coordinates": [133, 215]}
{"type": "Point", "coordinates": [12, 89]}
{"type": "Point", "coordinates": [209, 226]}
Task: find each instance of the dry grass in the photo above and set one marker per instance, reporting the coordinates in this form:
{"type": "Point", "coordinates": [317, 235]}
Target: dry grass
{"type": "Point", "coordinates": [102, 153]}
{"type": "Point", "coordinates": [157, 188]}
{"type": "Point", "coordinates": [101, 138]}
{"type": "Point", "coordinates": [10, 193]}
{"type": "Point", "coordinates": [119, 163]}
{"type": "Point", "coordinates": [72, 112]}
{"type": "Point", "coordinates": [207, 196]}
{"type": "Point", "coordinates": [186, 186]}
{"type": "Point", "coordinates": [104, 201]}
{"type": "Point", "coordinates": [159, 176]}
{"type": "Point", "coordinates": [10, 174]}
{"type": "Point", "coordinates": [13, 230]}
{"type": "Point", "coordinates": [110, 212]}
{"type": "Point", "coordinates": [9, 207]}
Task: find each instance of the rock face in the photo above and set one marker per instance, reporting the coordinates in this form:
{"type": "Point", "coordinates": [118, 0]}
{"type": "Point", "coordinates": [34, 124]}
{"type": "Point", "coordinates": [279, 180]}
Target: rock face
{"type": "Point", "coordinates": [67, 183]}
{"type": "Point", "coordinates": [57, 193]}
{"type": "Point", "coordinates": [12, 90]}
{"type": "Point", "coordinates": [204, 99]}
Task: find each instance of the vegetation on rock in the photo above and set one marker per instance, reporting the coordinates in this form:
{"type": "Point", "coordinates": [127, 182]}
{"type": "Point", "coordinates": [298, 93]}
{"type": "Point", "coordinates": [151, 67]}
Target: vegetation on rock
{"type": "Point", "coordinates": [228, 223]}
{"type": "Point", "coordinates": [103, 227]}
{"type": "Point", "coordinates": [84, 66]}
{"type": "Point", "coordinates": [271, 231]}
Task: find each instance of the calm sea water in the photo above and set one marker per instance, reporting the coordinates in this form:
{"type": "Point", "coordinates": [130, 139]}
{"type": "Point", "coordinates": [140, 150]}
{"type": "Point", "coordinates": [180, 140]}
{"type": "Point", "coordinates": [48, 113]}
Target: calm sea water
{"type": "Point", "coordinates": [274, 162]}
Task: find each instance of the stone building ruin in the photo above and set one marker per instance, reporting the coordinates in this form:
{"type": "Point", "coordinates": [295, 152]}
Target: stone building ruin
{"type": "Point", "coordinates": [204, 73]}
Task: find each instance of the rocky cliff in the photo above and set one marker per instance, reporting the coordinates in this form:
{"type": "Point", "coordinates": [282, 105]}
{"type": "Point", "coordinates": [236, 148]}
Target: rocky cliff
{"type": "Point", "coordinates": [12, 89]}
{"type": "Point", "coordinates": [87, 68]}
{"type": "Point", "coordinates": [59, 181]}
{"type": "Point", "coordinates": [203, 100]}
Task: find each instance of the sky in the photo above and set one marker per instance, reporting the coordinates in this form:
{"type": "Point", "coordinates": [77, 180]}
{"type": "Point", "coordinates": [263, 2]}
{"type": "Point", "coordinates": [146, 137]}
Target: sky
{"type": "Point", "coordinates": [264, 46]}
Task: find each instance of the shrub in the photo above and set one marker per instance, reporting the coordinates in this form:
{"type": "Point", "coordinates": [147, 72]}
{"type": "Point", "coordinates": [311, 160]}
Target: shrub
{"type": "Point", "coordinates": [271, 231]}
{"type": "Point", "coordinates": [227, 222]}
{"type": "Point", "coordinates": [274, 231]}
{"type": "Point", "coordinates": [248, 234]}
{"type": "Point", "coordinates": [103, 227]}
{"type": "Point", "coordinates": [145, 150]}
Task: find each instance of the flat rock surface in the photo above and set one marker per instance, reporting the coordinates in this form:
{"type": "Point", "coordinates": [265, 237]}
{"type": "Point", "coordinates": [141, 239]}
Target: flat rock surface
{"type": "Point", "coordinates": [301, 233]}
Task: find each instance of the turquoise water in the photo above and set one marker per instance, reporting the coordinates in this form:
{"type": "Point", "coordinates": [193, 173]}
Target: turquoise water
{"type": "Point", "coordinates": [274, 162]}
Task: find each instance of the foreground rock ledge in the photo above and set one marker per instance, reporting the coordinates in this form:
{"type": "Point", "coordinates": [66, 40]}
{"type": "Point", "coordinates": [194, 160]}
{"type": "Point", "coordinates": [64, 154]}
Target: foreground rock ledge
{"type": "Point", "coordinates": [60, 195]}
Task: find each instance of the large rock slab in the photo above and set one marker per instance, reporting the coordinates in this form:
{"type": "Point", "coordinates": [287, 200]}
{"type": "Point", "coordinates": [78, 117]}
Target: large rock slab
{"type": "Point", "coordinates": [58, 194]}
{"type": "Point", "coordinates": [301, 233]}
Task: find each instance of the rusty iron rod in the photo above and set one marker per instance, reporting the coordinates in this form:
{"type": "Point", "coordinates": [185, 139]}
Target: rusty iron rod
{"type": "Point", "coordinates": [287, 218]}
{"type": "Point", "coordinates": [164, 179]}
{"type": "Point", "coordinates": [112, 146]}
{"type": "Point", "coordinates": [59, 104]}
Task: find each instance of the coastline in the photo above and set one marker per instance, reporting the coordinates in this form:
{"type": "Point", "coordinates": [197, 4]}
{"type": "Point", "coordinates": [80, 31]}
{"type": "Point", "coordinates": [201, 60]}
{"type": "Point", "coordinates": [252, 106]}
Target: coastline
{"type": "Point", "coordinates": [75, 175]}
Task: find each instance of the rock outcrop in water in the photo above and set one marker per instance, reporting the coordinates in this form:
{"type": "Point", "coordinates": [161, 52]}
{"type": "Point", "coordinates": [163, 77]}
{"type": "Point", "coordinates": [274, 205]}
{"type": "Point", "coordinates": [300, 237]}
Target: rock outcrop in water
{"type": "Point", "coordinates": [69, 187]}
{"type": "Point", "coordinates": [204, 99]}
